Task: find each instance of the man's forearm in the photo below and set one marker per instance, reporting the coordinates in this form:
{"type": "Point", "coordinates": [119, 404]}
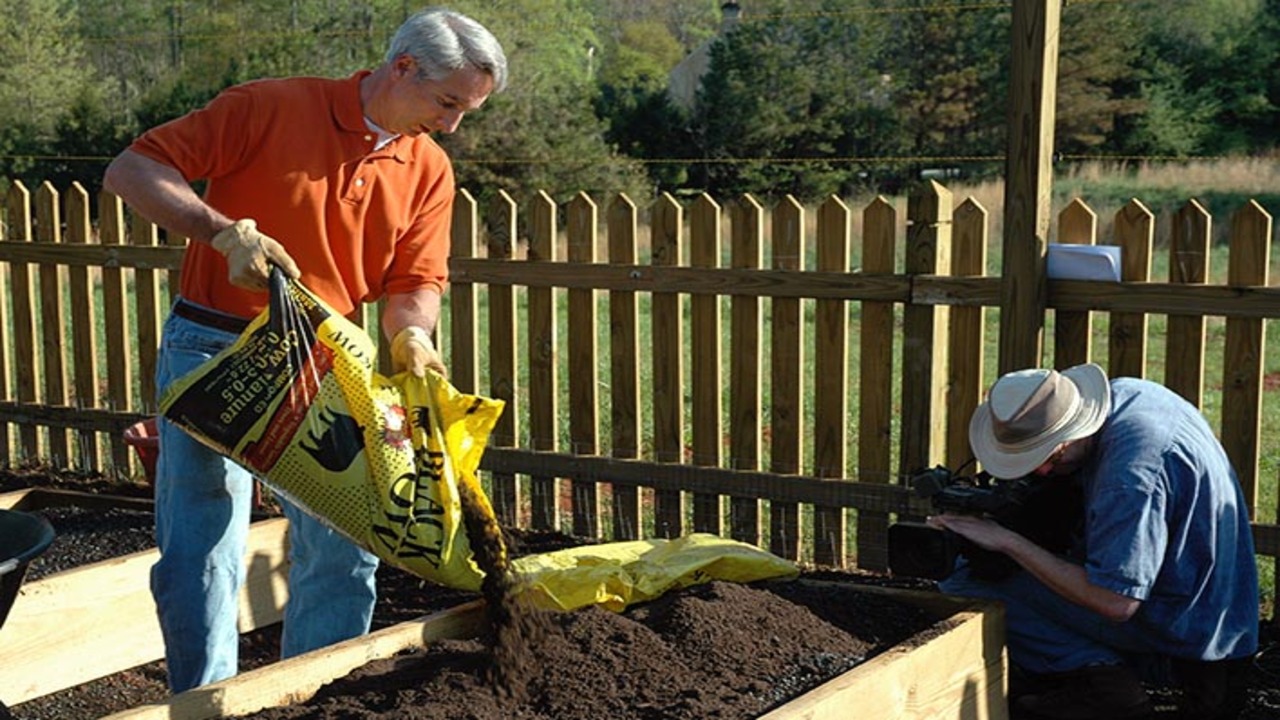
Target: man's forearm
{"type": "Point", "coordinates": [420, 308]}
{"type": "Point", "coordinates": [1065, 578]}
{"type": "Point", "coordinates": [1069, 580]}
{"type": "Point", "coordinates": [159, 193]}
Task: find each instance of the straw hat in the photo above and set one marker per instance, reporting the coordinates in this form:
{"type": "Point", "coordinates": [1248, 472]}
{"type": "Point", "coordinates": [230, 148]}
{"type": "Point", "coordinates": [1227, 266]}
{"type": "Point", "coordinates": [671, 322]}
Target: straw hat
{"type": "Point", "coordinates": [1028, 413]}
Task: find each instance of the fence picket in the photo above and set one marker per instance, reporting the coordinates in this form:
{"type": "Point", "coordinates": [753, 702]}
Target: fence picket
{"type": "Point", "coordinates": [115, 323]}
{"type": "Point", "coordinates": [624, 368]}
{"type": "Point", "coordinates": [146, 287]}
{"type": "Point", "coordinates": [1127, 345]}
{"type": "Point", "coordinates": [746, 354]}
{"type": "Point", "coordinates": [84, 328]}
{"type": "Point", "coordinates": [53, 336]}
{"type": "Point", "coordinates": [924, 345]}
{"type": "Point", "coordinates": [6, 357]}
{"type": "Point", "coordinates": [1073, 329]}
{"type": "Point", "coordinates": [544, 377]}
{"type": "Point", "coordinates": [875, 384]}
{"type": "Point", "coordinates": [831, 382]}
{"type": "Point", "coordinates": [503, 341]}
{"type": "Point", "coordinates": [667, 241]}
{"type": "Point", "coordinates": [786, 374]}
{"type": "Point", "coordinates": [705, 375]}
{"type": "Point", "coordinates": [1246, 344]}
{"type": "Point", "coordinates": [584, 409]}
{"type": "Point", "coordinates": [966, 369]}
{"type": "Point", "coordinates": [464, 311]}
{"type": "Point", "coordinates": [1188, 265]}
{"type": "Point", "coordinates": [26, 370]}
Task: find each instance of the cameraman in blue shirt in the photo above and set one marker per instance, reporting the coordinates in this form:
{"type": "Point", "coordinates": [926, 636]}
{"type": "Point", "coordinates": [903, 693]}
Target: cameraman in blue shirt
{"type": "Point", "coordinates": [1161, 581]}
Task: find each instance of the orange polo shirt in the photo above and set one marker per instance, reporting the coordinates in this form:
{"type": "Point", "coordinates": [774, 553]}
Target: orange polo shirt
{"type": "Point", "coordinates": [296, 156]}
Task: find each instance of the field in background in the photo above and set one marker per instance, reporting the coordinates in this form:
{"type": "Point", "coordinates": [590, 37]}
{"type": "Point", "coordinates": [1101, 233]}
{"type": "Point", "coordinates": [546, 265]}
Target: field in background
{"type": "Point", "coordinates": [1221, 186]}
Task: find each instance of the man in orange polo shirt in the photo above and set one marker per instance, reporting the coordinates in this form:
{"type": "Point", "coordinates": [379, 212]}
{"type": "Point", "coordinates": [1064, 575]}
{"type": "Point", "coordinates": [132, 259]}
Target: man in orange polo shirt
{"type": "Point", "coordinates": [337, 182]}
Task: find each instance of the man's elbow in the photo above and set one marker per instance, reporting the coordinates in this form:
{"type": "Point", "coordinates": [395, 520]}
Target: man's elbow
{"type": "Point", "coordinates": [1121, 609]}
{"type": "Point", "coordinates": [128, 171]}
{"type": "Point", "coordinates": [112, 179]}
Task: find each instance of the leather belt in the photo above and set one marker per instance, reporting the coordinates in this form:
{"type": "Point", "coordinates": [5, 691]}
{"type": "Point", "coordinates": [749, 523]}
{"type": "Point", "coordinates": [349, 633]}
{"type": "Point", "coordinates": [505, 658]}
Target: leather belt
{"type": "Point", "coordinates": [209, 318]}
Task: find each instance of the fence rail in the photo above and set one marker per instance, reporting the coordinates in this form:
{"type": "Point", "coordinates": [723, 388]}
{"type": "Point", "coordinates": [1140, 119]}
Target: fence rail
{"type": "Point", "coordinates": [759, 373]}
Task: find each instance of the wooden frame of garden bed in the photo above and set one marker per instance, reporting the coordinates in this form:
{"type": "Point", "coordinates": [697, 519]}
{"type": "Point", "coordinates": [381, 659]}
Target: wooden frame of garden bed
{"type": "Point", "coordinates": [959, 673]}
{"type": "Point", "coordinates": [95, 620]}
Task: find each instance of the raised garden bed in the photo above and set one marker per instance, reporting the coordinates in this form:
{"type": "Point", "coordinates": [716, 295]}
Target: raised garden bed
{"type": "Point", "coordinates": [713, 650]}
{"type": "Point", "coordinates": [404, 598]}
{"type": "Point", "coordinates": [113, 628]}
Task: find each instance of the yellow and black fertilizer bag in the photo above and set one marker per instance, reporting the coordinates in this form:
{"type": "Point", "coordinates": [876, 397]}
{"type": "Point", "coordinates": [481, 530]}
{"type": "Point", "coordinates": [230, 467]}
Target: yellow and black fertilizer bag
{"type": "Point", "coordinates": [296, 400]}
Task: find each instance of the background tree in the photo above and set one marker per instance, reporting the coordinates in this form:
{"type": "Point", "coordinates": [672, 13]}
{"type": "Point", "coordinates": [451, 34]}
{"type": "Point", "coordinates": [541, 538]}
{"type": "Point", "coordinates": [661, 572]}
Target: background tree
{"type": "Point", "coordinates": [129, 47]}
{"type": "Point", "coordinates": [1200, 69]}
{"type": "Point", "coordinates": [1096, 86]}
{"type": "Point", "coordinates": [641, 121]}
{"type": "Point", "coordinates": [809, 97]}
{"type": "Point", "coordinates": [689, 22]}
{"type": "Point", "coordinates": [785, 100]}
{"type": "Point", "coordinates": [41, 67]}
{"type": "Point", "coordinates": [943, 69]}
{"type": "Point", "coordinates": [542, 132]}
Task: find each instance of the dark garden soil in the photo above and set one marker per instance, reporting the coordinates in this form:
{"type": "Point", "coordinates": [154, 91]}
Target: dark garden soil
{"type": "Point", "coordinates": [718, 650]}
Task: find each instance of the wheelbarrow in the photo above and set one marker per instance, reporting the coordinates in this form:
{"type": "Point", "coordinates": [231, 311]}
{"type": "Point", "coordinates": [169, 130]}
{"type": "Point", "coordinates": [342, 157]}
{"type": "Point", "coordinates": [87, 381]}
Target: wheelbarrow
{"type": "Point", "coordinates": [23, 536]}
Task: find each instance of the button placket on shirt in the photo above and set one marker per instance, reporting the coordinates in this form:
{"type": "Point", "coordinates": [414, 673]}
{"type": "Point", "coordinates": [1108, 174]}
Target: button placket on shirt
{"type": "Point", "coordinates": [360, 181]}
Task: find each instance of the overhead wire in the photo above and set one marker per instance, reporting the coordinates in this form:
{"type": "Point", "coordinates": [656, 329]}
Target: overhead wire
{"type": "Point", "coordinates": [856, 159]}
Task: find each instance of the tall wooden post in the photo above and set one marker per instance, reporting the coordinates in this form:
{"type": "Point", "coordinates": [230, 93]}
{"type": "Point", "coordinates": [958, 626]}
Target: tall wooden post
{"type": "Point", "coordinates": [1028, 181]}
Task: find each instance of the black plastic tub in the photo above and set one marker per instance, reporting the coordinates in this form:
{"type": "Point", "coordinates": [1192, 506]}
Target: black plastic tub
{"type": "Point", "coordinates": [23, 536]}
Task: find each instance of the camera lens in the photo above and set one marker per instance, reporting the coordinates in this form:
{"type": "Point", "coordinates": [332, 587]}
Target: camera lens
{"type": "Point", "coordinates": [920, 550]}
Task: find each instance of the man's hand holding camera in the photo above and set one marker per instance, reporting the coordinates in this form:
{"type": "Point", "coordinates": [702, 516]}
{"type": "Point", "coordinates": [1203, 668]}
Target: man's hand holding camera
{"type": "Point", "coordinates": [981, 531]}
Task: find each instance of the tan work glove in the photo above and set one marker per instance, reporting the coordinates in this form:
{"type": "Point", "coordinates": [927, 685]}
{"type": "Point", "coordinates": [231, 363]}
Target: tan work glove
{"type": "Point", "coordinates": [250, 255]}
{"type": "Point", "coordinates": [413, 350]}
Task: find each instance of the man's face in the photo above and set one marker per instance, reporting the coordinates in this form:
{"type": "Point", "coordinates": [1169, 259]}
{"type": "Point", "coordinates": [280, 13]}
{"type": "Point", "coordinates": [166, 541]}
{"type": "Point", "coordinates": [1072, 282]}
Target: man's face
{"type": "Point", "coordinates": [416, 106]}
{"type": "Point", "coordinates": [1066, 459]}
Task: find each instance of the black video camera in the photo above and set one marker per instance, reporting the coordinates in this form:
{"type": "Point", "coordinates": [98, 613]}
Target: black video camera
{"type": "Point", "coordinates": [1047, 511]}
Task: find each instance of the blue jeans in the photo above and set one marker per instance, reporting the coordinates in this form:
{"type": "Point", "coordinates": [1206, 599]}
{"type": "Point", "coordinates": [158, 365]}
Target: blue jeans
{"type": "Point", "coordinates": [1047, 633]}
{"type": "Point", "coordinates": [203, 502]}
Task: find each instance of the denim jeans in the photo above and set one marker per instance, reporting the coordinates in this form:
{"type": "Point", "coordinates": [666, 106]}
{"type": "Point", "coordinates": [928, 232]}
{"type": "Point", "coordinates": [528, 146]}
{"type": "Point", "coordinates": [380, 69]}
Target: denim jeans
{"type": "Point", "coordinates": [203, 501]}
{"type": "Point", "coordinates": [1046, 633]}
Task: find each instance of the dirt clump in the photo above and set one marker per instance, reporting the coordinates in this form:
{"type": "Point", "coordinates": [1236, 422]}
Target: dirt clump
{"type": "Point", "coordinates": [715, 650]}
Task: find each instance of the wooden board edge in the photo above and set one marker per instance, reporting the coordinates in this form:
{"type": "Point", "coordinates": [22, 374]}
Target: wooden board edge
{"type": "Point", "coordinates": [934, 602]}
{"type": "Point", "coordinates": [296, 679]}
{"type": "Point", "coordinates": [961, 674]}
{"type": "Point", "coordinates": [13, 499]}
{"type": "Point", "coordinates": [37, 498]}
{"type": "Point", "coordinates": [99, 619]}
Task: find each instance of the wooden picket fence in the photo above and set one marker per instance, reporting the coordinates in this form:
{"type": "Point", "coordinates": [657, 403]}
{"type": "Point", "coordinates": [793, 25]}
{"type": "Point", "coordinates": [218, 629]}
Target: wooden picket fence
{"type": "Point", "coordinates": [661, 376]}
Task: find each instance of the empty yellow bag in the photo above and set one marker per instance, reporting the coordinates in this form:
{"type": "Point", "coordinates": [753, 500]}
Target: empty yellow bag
{"type": "Point", "coordinates": [616, 575]}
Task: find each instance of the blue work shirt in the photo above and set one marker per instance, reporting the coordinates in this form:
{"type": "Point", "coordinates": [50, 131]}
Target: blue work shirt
{"type": "Point", "coordinates": [1166, 523]}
